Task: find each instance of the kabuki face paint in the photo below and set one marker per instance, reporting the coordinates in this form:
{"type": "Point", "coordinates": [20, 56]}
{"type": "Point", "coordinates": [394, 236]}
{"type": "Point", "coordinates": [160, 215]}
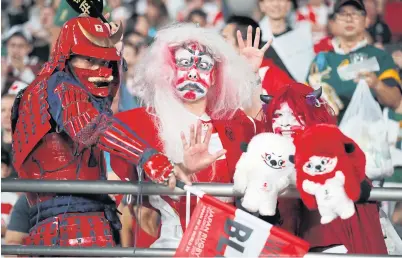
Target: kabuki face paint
{"type": "Point", "coordinates": [285, 122]}
{"type": "Point", "coordinates": [194, 72]}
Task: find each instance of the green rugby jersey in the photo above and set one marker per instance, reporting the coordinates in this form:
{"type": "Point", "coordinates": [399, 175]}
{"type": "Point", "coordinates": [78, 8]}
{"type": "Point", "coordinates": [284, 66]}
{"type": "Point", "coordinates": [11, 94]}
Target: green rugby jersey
{"type": "Point", "coordinates": [324, 70]}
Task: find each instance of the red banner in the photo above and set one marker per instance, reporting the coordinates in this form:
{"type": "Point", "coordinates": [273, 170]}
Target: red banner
{"type": "Point", "coordinates": [219, 229]}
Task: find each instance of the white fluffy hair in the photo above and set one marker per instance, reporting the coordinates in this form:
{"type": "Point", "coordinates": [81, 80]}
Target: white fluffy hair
{"type": "Point", "coordinates": [154, 83]}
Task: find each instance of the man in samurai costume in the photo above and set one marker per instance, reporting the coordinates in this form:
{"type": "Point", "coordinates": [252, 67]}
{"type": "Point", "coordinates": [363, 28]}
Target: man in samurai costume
{"type": "Point", "coordinates": [61, 125]}
{"type": "Point", "coordinates": [194, 86]}
{"type": "Point", "coordinates": [291, 109]}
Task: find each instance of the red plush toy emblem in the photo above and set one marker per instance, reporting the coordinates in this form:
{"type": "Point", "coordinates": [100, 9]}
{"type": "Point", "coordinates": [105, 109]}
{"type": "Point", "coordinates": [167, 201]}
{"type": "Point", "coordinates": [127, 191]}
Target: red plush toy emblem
{"type": "Point", "coordinates": [330, 168]}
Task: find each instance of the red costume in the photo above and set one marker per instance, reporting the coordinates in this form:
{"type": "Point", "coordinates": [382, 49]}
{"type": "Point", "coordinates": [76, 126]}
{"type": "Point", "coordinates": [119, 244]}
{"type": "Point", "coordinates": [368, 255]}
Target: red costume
{"type": "Point", "coordinates": [62, 122]}
{"type": "Point", "coordinates": [190, 68]}
{"type": "Point", "coordinates": [308, 109]}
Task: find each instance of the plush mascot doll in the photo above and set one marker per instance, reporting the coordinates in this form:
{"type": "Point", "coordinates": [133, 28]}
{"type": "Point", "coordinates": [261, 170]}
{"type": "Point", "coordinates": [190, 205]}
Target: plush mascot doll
{"type": "Point", "coordinates": [329, 170]}
{"type": "Point", "coordinates": [263, 171]}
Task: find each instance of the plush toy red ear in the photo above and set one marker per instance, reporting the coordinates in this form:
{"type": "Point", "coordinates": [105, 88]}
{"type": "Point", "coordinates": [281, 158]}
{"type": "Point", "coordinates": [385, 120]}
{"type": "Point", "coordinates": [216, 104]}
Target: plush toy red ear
{"type": "Point", "coordinates": [356, 156]}
{"type": "Point", "coordinates": [244, 146]}
{"type": "Point", "coordinates": [349, 147]}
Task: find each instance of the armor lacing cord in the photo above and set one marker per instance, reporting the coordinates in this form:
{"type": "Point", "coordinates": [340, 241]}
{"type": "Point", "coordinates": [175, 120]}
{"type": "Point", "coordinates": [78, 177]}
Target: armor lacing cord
{"type": "Point", "coordinates": [138, 205]}
{"type": "Point", "coordinates": [77, 172]}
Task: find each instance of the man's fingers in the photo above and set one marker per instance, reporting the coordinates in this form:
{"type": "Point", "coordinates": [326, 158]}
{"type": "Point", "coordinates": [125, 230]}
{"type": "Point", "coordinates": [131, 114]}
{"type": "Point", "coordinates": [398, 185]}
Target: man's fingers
{"type": "Point", "coordinates": [240, 40]}
{"type": "Point", "coordinates": [208, 135]}
{"type": "Point", "coordinates": [107, 16]}
{"type": "Point", "coordinates": [192, 136]}
{"type": "Point", "coordinates": [257, 37]}
{"type": "Point", "coordinates": [249, 36]}
{"type": "Point", "coordinates": [183, 140]}
{"type": "Point", "coordinates": [219, 154]}
{"type": "Point", "coordinates": [266, 46]}
{"type": "Point", "coordinates": [172, 182]}
{"type": "Point", "coordinates": [198, 133]}
{"type": "Point", "coordinates": [184, 178]}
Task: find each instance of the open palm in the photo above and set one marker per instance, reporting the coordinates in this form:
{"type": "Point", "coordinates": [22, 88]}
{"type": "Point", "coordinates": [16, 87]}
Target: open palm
{"type": "Point", "coordinates": [196, 156]}
{"type": "Point", "coordinates": [251, 52]}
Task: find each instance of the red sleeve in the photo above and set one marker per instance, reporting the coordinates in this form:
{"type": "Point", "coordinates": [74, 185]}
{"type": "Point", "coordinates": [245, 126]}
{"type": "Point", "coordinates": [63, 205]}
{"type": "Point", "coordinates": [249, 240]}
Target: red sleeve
{"type": "Point", "coordinates": [123, 169]}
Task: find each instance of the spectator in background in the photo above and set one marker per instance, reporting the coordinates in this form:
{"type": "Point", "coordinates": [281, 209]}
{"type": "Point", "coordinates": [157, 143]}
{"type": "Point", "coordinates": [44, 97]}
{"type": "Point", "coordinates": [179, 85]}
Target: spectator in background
{"type": "Point", "coordinates": [139, 24]}
{"type": "Point", "coordinates": [128, 99]}
{"type": "Point", "coordinates": [274, 24]}
{"type": "Point", "coordinates": [7, 199]}
{"type": "Point", "coordinates": [377, 28]}
{"type": "Point", "coordinates": [19, 225]}
{"type": "Point", "coordinates": [17, 13]}
{"type": "Point", "coordinates": [157, 16]}
{"type": "Point", "coordinates": [316, 13]}
{"type": "Point", "coordinates": [197, 16]}
{"type": "Point", "coordinates": [137, 39]}
{"type": "Point", "coordinates": [7, 101]}
{"type": "Point", "coordinates": [122, 14]}
{"type": "Point", "coordinates": [42, 34]}
{"type": "Point", "coordinates": [187, 8]}
{"type": "Point", "coordinates": [274, 21]}
{"type": "Point", "coordinates": [350, 46]}
{"type": "Point", "coordinates": [19, 65]}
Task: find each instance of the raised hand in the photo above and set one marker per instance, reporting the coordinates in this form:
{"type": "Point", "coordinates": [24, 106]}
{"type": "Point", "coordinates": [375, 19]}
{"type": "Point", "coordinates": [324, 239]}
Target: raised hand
{"type": "Point", "coordinates": [196, 155]}
{"type": "Point", "coordinates": [251, 52]}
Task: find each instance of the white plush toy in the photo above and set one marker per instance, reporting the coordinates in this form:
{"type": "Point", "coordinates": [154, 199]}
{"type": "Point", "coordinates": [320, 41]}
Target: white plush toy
{"type": "Point", "coordinates": [264, 171]}
{"type": "Point", "coordinates": [329, 196]}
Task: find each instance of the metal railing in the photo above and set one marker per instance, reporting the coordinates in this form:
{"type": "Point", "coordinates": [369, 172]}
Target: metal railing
{"type": "Point", "coordinates": [120, 187]}
{"type": "Point", "coordinates": [130, 252]}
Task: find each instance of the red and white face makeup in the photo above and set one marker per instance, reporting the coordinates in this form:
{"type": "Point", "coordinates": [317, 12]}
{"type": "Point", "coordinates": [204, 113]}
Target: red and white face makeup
{"type": "Point", "coordinates": [195, 72]}
{"type": "Point", "coordinates": [285, 122]}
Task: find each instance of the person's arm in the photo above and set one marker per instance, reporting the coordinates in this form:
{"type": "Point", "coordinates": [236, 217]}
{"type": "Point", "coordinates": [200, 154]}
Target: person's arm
{"type": "Point", "coordinates": [19, 225]}
{"type": "Point", "coordinates": [388, 96]}
{"type": "Point", "coordinates": [386, 84]}
{"type": "Point", "coordinates": [126, 233]}
{"type": "Point", "coordinates": [397, 215]}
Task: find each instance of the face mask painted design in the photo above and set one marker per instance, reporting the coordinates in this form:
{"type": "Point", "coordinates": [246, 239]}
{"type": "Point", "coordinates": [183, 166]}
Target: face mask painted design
{"type": "Point", "coordinates": [194, 72]}
{"type": "Point", "coordinates": [285, 122]}
{"type": "Point", "coordinates": [318, 165]}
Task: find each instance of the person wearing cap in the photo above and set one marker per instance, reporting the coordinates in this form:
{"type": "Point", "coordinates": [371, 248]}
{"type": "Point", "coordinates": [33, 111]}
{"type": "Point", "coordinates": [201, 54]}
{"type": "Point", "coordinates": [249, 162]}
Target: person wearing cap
{"type": "Point", "coordinates": [351, 46]}
{"type": "Point", "coordinates": [19, 65]}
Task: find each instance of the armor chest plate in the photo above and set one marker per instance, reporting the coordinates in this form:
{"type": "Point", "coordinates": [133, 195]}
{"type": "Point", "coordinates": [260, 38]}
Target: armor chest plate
{"type": "Point", "coordinates": [57, 158]}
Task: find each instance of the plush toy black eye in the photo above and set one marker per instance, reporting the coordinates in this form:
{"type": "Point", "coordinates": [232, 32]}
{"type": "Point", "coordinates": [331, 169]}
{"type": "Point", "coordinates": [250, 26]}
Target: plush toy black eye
{"type": "Point", "coordinates": [308, 165]}
{"type": "Point", "coordinates": [292, 159]}
{"type": "Point", "coordinates": [280, 162]}
{"type": "Point", "coordinates": [323, 162]}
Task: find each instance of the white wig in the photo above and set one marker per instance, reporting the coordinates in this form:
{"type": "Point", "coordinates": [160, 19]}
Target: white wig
{"type": "Point", "coordinates": [154, 80]}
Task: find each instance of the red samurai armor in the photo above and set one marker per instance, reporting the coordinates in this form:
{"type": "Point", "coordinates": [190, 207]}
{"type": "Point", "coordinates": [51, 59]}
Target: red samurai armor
{"type": "Point", "coordinates": [61, 125]}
